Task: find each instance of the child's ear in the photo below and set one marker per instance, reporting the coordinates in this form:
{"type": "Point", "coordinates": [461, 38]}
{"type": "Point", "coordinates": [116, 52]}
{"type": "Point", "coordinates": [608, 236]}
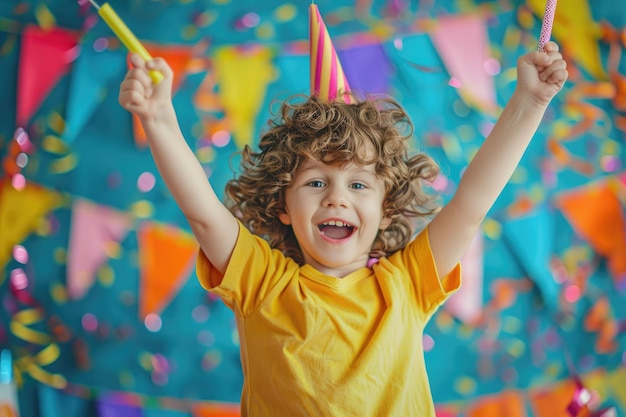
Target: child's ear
{"type": "Point", "coordinates": [284, 219]}
{"type": "Point", "coordinates": [384, 223]}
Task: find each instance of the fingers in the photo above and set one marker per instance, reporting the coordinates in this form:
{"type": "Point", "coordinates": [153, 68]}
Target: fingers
{"type": "Point", "coordinates": [136, 60]}
{"type": "Point", "coordinates": [543, 58]}
{"type": "Point", "coordinates": [556, 71]}
{"type": "Point", "coordinates": [551, 66]}
{"type": "Point", "coordinates": [156, 64]}
{"type": "Point", "coordinates": [551, 47]}
{"type": "Point", "coordinates": [137, 90]}
{"type": "Point", "coordinates": [159, 64]}
{"type": "Point", "coordinates": [138, 80]}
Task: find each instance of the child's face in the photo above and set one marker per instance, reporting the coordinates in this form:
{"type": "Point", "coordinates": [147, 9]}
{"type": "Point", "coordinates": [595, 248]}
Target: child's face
{"type": "Point", "coordinates": [335, 213]}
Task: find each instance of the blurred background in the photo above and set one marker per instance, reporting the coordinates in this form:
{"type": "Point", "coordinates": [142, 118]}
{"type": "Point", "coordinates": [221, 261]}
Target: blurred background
{"type": "Point", "coordinates": [101, 313]}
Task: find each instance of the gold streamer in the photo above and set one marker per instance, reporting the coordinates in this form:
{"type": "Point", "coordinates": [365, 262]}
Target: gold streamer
{"type": "Point", "coordinates": [33, 364]}
{"type": "Point", "coordinates": [20, 322]}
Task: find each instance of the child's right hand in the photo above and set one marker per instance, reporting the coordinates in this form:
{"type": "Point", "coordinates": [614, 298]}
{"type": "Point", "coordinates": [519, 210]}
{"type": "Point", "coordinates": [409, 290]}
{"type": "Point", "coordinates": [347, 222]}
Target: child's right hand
{"type": "Point", "coordinates": [139, 95]}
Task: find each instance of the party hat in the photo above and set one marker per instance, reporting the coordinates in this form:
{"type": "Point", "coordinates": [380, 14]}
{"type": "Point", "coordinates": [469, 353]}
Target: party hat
{"type": "Point", "coordinates": [327, 77]}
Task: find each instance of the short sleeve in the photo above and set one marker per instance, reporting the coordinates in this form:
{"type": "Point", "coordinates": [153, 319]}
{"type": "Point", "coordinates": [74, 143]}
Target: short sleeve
{"type": "Point", "coordinates": [431, 290]}
{"type": "Point", "coordinates": [253, 271]}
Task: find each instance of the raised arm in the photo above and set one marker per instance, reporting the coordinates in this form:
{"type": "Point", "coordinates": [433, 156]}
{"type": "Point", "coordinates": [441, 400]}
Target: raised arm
{"type": "Point", "coordinates": [213, 225]}
{"type": "Point", "coordinates": [540, 76]}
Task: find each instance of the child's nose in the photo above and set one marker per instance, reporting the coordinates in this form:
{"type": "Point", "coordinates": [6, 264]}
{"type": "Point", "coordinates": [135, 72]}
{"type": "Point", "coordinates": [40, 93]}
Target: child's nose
{"type": "Point", "coordinates": [335, 197]}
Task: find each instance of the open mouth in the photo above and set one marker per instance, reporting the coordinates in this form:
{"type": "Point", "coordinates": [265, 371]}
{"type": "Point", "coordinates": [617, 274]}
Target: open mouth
{"type": "Point", "coordinates": [336, 229]}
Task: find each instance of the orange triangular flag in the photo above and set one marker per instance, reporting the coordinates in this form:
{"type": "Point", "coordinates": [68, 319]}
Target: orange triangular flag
{"type": "Point", "coordinates": [167, 257]}
{"type": "Point", "coordinates": [178, 59]}
{"type": "Point", "coordinates": [216, 410]}
{"type": "Point", "coordinates": [596, 214]}
{"type": "Point", "coordinates": [20, 213]}
{"type": "Point", "coordinates": [45, 57]}
{"type": "Point", "coordinates": [507, 403]}
{"type": "Point", "coordinates": [553, 401]}
{"type": "Point", "coordinates": [94, 228]}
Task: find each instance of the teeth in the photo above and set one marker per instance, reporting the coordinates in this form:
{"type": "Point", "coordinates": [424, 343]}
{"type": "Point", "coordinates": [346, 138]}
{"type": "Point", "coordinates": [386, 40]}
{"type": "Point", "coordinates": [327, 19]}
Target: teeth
{"type": "Point", "coordinates": [338, 223]}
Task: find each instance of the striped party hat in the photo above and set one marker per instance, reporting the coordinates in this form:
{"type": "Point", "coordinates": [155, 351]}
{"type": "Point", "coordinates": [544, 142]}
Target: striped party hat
{"type": "Point", "coordinates": [327, 77]}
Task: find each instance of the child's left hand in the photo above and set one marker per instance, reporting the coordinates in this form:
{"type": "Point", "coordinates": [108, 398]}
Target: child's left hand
{"type": "Point", "coordinates": [541, 75]}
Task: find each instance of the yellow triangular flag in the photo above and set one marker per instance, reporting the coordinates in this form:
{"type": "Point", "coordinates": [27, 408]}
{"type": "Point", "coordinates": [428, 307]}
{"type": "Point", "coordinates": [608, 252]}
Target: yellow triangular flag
{"type": "Point", "coordinates": [20, 213]}
{"type": "Point", "coordinates": [616, 381]}
{"type": "Point", "coordinates": [242, 91]}
{"type": "Point", "coordinates": [576, 31]}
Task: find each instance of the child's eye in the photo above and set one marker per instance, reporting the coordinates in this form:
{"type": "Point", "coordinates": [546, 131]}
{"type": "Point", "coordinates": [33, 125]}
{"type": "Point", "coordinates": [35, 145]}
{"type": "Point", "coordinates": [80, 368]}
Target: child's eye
{"type": "Point", "coordinates": [358, 186]}
{"type": "Point", "coordinates": [316, 184]}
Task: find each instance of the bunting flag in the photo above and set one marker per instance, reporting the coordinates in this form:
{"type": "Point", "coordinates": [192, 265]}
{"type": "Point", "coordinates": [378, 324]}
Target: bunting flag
{"type": "Point", "coordinates": [95, 75]}
{"type": "Point", "coordinates": [531, 240]}
{"type": "Point", "coordinates": [94, 231]}
{"type": "Point", "coordinates": [618, 389]}
{"type": "Point", "coordinates": [467, 303]}
{"type": "Point", "coordinates": [462, 42]}
{"type": "Point", "coordinates": [216, 410]}
{"type": "Point", "coordinates": [178, 58]}
{"type": "Point", "coordinates": [112, 408]}
{"type": "Point", "coordinates": [167, 257]}
{"type": "Point", "coordinates": [597, 215]}
{"type": "Point", "coordinates": [553, 401]}
{"type": "Point", "coordinates": [20, 213]}
{"type": "Point", "coordinates": [357, 63]}
{"type": "Point", "coordinates": [54, 50]}
{"type": "Point", "coordinates": [506, 403]}
{"type": "Point", "coordinates": [242, 91]}
{"type": "Point", "coordinates": [419, 74]}
{"type": "Point", "coordinates": [576, 31]}
{"type": "Point", "coordinates": [596, 382]}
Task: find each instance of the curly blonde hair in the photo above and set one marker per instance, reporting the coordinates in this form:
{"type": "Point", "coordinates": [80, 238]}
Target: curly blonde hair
{"type": "Point", "coordinates": [335, 133]}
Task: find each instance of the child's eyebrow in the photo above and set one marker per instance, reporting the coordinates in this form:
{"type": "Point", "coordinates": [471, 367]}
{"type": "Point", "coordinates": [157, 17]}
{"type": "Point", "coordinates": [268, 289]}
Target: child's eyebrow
{"type": "Point", "coordinates": [308, 168]}
{"type": "Point", "coordinates": [363, 170]}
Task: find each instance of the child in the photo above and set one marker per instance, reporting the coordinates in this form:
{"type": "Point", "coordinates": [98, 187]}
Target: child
{"type": "Point", "coordinates": [315, 255]}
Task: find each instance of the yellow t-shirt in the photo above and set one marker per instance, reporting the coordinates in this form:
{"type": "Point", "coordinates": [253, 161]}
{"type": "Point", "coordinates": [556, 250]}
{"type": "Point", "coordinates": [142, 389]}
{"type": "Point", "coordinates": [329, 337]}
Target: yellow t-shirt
{"type": "Point", "coordinates": [315, 345]}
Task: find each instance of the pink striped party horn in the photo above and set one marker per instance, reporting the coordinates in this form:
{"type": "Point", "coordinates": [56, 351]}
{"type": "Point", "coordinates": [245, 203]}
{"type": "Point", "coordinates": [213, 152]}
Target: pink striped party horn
{"type": "Point", "coordinates": [546, 25]}
{"type": "Point", "coordinates": [327, 77]}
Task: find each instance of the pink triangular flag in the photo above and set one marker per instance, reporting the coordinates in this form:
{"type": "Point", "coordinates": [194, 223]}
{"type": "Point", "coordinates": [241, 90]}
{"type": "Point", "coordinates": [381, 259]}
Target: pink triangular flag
{"type": "Point", "coordinates": [462, 42]}
{"type": "Point", "coordinates": [45, 56]}
{"type": "Point", "coordinates": [94, 229]}
{"type": "Point", "coordinates": [467, 303]}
